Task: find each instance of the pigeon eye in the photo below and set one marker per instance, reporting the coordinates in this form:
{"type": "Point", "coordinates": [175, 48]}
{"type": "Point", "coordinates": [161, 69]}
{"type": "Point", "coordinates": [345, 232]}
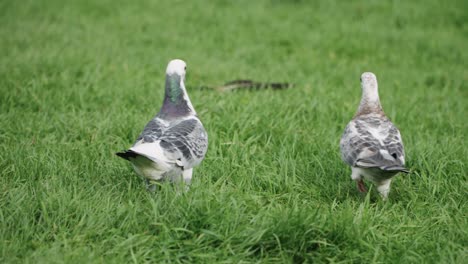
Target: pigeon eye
{"type": "Point", "coordinates": [185, 68]}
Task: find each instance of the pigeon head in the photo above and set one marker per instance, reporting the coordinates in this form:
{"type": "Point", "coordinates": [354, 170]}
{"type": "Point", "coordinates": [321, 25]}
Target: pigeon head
{"type": "Point", "coordinates": [175, 77]}
{"type": "Point", "coordinates": [368, 81]}
{"type": "Point", "coordinates": [370, 101]}
{"type": "Point", "coordinates": [177, 67]}
{"type": "Point", "coordinates": [176, 101]}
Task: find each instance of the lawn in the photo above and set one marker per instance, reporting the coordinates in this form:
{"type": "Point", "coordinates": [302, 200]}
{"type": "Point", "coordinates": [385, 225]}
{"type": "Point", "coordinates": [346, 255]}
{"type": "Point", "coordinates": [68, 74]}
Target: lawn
{"type": "Point", "coordinates": [80, 79]}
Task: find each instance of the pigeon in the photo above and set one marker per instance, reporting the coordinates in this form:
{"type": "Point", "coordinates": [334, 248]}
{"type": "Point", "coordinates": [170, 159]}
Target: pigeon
{"type": "Point", "coordinates": [371, 144]}
{"type": "Point", "coordinates": [174, 141]}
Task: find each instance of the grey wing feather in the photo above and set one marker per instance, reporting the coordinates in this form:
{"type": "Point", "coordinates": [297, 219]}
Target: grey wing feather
{"type": "Point", "coordinates": [348, 144]}
{"type": "Point", "coordinates": [187, 141]}
{"type": "Point", "coordinates": [152, 131]}
{"type": "Point", "coordinates": [372, 142]}
{"type": "Point", "coordinates": [393, 142]}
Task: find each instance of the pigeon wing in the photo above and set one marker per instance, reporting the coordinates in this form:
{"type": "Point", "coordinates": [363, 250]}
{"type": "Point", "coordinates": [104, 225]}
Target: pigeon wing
{"type": "Point", "coordinates": [186, 142]}
{"type": "Point", "coordinates": [372, 142]}
{"type": "Point", "coordinates": [152, 131]}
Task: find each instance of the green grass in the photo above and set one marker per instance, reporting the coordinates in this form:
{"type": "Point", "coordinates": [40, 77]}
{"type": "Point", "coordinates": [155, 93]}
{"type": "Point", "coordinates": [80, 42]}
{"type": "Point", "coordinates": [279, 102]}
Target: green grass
{"type": "Point", "coordinates": [79, 80]}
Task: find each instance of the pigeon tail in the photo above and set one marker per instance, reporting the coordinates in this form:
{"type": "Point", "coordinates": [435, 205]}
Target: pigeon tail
{"type": "Point", "coordinates": [127, 154]}
{"type": "Point", "coordinates": [396, 168]}
{"type": "Point", "coordinates": [367, 163]}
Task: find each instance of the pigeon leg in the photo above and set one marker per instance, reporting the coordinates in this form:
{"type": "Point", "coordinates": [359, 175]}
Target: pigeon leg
{"type": "Point", "coordinates": [384, 188]}
{"type": "Point", "coordinates": [356, 176]}
{"type": "Point", "coordinates": [187, 175]}
{"type": "Point", "coordinates": [183, 181]}
{"type": "Point", "coordinates": [151, 186]}
{"type": "Point", "coordinates": [361, 186]}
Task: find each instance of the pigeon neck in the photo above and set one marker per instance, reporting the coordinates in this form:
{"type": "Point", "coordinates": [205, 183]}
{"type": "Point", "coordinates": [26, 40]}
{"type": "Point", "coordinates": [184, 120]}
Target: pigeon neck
{"type": "Point", "coordinates": [370, 101]}
{"type": "Point", "coordinates": [176, 101]}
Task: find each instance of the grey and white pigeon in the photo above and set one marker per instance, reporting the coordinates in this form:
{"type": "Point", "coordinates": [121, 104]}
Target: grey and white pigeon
{"type": "Point", "coordinates": [371, 144]}
{"type": "Point", "coordinates": [174, 141]}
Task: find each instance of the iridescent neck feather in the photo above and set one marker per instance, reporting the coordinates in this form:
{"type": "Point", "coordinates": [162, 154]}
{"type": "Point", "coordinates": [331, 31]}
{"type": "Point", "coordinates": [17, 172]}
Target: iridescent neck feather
{"type": "Point", "coordinates": [176, 101]}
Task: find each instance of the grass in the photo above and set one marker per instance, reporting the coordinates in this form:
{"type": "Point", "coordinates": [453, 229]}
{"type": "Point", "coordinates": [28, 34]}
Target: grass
{"type": "Point", "coordinates": [79, 80]}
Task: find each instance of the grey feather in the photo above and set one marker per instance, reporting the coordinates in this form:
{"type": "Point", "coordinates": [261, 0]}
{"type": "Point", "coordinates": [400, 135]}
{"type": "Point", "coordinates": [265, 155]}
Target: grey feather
{"type": "Point", "coordinates": [152, 131]}
{"type": "Point", "coordinates": [372, 141]}
{"type": "Point", "coordinates": [187, 138]}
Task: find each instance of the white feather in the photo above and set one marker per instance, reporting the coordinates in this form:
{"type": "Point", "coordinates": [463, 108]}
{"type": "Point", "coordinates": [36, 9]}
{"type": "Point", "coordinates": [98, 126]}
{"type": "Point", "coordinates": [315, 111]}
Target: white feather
{"type": "Point", "coordinates": [153, 163]}
{"type": "Point", "coordinates": [152, 151]}
{"type": "Point", "coordinates": [377, 134]}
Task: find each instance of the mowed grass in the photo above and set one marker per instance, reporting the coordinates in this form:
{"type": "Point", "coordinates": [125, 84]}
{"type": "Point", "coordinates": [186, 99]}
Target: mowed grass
{"type": "Point", "coordinates": [80, 79]}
